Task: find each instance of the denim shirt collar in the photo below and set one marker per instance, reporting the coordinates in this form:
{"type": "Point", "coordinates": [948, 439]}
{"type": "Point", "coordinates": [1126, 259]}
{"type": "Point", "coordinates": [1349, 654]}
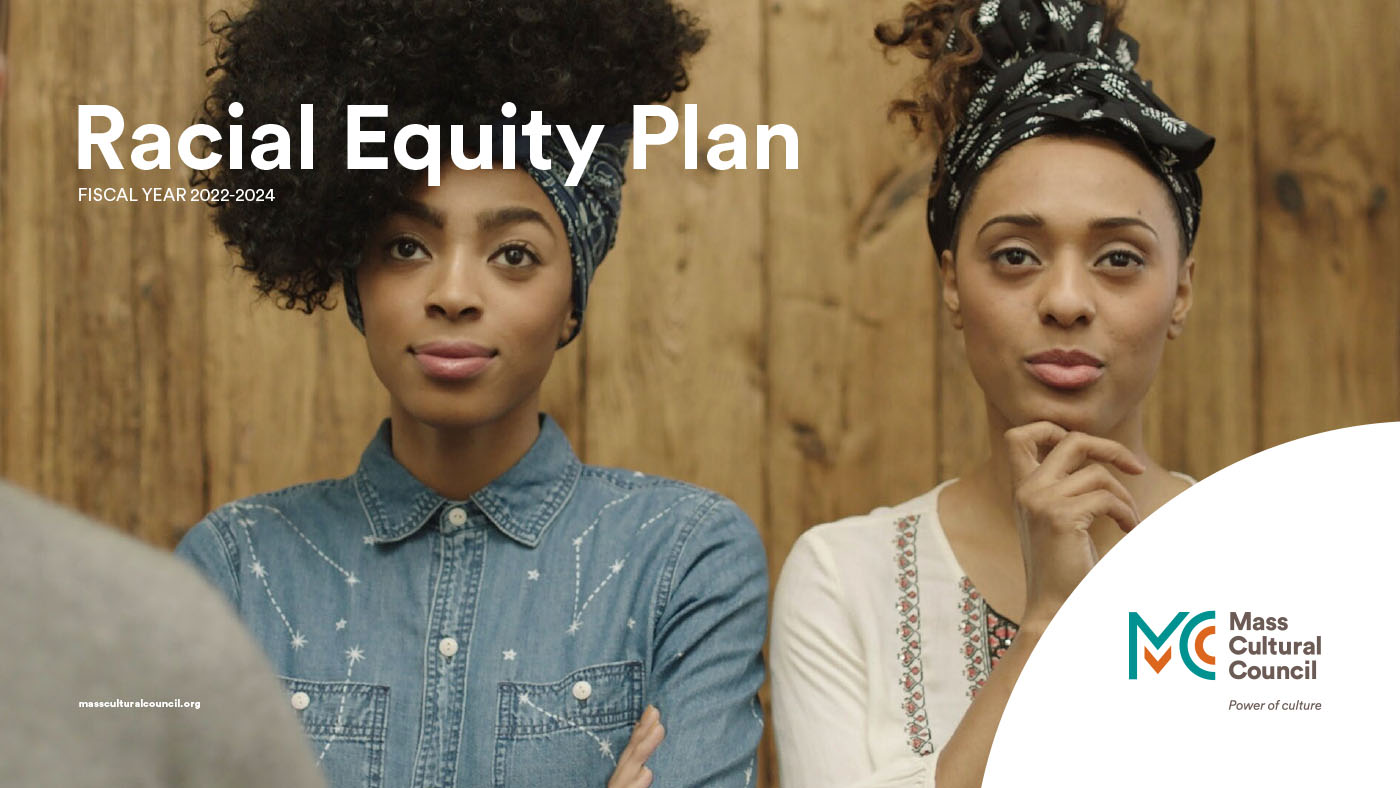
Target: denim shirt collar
{"type": "Point", "coordinates": [521, 503]}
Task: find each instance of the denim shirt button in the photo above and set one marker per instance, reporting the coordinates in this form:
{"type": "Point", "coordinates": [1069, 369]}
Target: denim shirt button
{"type": "Point", "coordinates": [457, 516]}
{"type": "Point", "coordinates": [582, 690]}
{"type": "Point", "coordinates": [300, 700]}
{"type": "Point", "coordinates": [447, 646]}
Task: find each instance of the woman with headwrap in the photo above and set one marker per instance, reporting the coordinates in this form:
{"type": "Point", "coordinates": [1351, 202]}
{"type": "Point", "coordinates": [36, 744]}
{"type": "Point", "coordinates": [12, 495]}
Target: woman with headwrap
{"type": "Point", "coordinates": [474, 606]}
{"type": "Point", "coordinates": [1064, 205]}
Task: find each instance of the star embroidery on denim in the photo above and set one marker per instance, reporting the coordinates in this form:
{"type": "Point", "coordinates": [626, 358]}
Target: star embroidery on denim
{"type": "Point", "coordinates": [581, 602]}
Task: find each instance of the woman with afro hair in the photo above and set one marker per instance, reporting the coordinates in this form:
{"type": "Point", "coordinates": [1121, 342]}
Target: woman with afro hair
{"type": "Point", "coordinates": [1064, 206]}
{"type": "Point", "coordinates": [474, 606]}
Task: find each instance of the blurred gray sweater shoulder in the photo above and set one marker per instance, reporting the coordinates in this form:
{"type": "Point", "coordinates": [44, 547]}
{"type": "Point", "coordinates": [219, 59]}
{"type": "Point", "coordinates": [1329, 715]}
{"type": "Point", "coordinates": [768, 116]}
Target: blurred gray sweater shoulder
{"type": "Point", "coordinates": [90, 615]}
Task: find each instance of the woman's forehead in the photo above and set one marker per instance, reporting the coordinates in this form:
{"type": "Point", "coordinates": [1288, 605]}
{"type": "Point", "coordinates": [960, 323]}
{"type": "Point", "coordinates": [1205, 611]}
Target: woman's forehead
{"type": "Point", "coordinates": [1072, 179]}
{"type": "Point", "coordinates": [469, 192]}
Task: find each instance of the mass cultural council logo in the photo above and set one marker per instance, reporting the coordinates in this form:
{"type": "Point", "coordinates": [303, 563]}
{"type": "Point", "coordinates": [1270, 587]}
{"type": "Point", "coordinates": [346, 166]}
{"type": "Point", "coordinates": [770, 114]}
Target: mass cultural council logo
{"type": "Point", "coordinates": [1255, 654]}
{"type": "Point", "coordinates": [1157, 652]}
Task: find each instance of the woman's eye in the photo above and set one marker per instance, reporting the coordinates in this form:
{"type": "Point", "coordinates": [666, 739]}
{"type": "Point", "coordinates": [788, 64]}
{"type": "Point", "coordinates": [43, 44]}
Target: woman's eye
{"type": "Point", "coordinates": [406, 249]}
{"type": "Point", "coordinates": [515, 256]}
{"type": "Point", "coordinates": [1015, 258]}
{"type": "Point", "coordinates": [1120, 259]}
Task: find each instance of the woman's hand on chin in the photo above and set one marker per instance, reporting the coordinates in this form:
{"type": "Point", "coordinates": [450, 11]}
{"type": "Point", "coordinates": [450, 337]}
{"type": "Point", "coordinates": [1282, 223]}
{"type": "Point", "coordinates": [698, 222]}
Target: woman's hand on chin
{"type": "Point", "coordinates": [1061, 482]}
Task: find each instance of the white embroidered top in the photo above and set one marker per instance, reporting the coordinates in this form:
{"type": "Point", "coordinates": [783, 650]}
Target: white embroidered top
{"type": "Point", "coordinates": [879, 643]}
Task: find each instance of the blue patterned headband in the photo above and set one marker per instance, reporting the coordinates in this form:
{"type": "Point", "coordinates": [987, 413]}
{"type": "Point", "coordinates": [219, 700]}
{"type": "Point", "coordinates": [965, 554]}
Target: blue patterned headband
{"type": "Point", "coordinates": [588, 210]}
{"type": "Point", "coordinates": [1047, 68]}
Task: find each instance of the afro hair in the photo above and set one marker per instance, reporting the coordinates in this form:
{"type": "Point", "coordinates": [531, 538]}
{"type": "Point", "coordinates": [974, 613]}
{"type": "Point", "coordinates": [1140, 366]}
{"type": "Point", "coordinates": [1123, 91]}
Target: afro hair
{"type": "Point", "coordinates": [579, 62]}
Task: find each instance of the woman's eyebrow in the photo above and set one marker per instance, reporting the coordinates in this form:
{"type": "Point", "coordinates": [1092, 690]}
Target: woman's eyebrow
{"type": "Point", "coordinates": [486, 221]}
{"type": "Point", "coordinates": [490, 221]}
{"type": "Point", "coordinates": [418, 210]}
{"type": "Point", "coordinates": [1034, 220]}
{"type": "Point", "coordinates": [1018, 219]}
{"type": "Point", "coordinates": [1114, 222]}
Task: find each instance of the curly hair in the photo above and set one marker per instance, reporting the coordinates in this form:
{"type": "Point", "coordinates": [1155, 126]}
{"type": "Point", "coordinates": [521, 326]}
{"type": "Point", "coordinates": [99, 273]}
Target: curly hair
{"type": "Point", "coordinates": [430, 61]}
{"type": "Point", "coordinates": [942, 91]}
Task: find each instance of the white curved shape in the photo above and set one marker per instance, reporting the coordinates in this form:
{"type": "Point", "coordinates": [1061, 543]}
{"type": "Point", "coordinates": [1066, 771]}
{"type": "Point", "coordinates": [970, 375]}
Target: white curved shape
{"type": "Point", "coordinates": [1307, 531]}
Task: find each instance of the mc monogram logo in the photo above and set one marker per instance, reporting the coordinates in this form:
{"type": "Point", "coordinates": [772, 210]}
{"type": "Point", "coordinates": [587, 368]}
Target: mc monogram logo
{"type": "Point", "coordinates": [1187, 645]}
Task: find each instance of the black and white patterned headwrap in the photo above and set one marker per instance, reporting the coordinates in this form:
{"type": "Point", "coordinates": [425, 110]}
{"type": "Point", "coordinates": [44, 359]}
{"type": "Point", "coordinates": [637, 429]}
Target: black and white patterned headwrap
{"type": "Point", "coordinates": [588, 210]}
{"type": "Point", "coordinates": [1047, 68]}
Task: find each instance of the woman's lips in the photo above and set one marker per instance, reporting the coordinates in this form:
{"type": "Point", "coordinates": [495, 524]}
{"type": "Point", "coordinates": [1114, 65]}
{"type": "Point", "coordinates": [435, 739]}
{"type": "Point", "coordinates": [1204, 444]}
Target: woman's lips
{"type": "Point", "coordinates": [1067, 370]}
{"type": "Point", "coordinates": [452, 360]}
{"type": "Point", "coordinates": [1066, 377]}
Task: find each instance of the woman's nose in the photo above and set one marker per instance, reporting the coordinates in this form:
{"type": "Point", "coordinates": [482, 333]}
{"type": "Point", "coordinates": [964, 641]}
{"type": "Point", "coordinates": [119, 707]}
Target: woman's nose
{"type": "Point", "coordinates": [1067, 295]}
{"type": "Point", "coordinates": [456, 290]}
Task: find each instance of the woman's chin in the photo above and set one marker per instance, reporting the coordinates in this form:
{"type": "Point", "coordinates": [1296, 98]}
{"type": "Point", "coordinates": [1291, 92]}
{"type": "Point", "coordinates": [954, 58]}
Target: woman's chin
{"type": "Point", "coordinates": [1081, 416]}
{"type": "Point", "coordinates": [451, 414]}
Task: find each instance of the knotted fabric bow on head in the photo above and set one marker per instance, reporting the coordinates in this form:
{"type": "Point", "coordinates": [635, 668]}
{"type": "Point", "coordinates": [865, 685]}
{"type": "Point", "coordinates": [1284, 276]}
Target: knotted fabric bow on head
{"type": "Point", "coordinates": [1048, 68]}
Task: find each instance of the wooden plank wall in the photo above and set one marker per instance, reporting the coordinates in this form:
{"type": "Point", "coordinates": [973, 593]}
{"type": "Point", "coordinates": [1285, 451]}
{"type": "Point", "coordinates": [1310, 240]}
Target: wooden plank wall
{"type": "Point", "coordinates": [775, 336]}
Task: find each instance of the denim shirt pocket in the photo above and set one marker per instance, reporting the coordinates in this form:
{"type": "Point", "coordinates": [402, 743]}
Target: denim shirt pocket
{"type": "Point", "coordinates": [560, 732]}
{"type": "Point", "coordinates": [347, 723]}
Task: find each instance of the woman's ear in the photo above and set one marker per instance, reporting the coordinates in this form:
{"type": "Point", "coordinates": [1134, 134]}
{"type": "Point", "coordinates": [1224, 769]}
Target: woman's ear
{"type": "Point", "coordinates": [567, 332]}
{"type": "Point", "coordinates": [948, 267]}
{"type": "Point", "coordinates": [1182, 304]}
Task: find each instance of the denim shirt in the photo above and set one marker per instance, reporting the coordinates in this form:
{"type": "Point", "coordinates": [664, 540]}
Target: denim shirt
{"type": "Point", "coordinates": [510, 639]}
